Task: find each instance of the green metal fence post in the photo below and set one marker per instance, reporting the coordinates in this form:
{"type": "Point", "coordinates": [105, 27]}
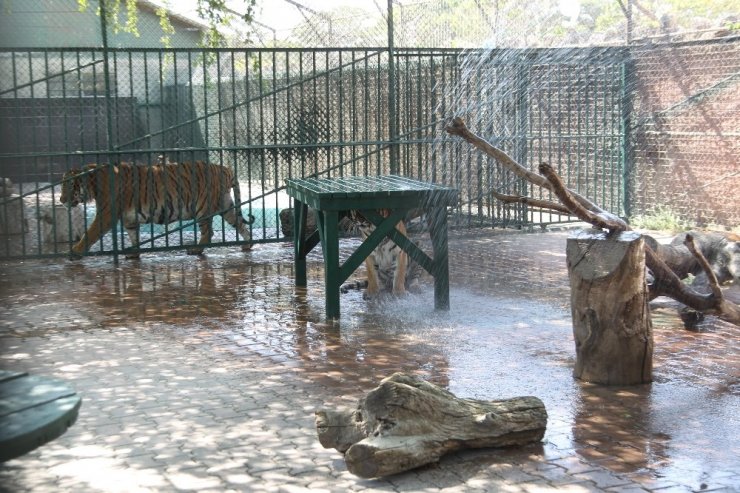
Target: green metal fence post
{"type": "Point", "coordinates": [628, 87]}
{"type": "Point", "coordinates": [392, 124]}
{"type": "Point", "coordinates": [109, 131]}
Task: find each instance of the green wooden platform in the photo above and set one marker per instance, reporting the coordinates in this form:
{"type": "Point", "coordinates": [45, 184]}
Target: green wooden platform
{"type": "Point", "coordinates": [330, 196]}
{"type": "Point", "coordinates": [33, 411]}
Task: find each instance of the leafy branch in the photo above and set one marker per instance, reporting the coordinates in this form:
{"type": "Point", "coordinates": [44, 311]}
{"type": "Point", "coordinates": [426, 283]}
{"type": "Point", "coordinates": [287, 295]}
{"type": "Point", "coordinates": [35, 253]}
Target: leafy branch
{"type": "Point", "coordinates": [215, 13]}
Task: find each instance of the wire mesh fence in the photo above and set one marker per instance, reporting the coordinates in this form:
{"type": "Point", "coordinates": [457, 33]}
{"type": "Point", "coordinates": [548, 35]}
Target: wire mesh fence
{"type": "Point", "coordinates": [603, 117]}
{"type": "Point", "coordinates": [480, 23]}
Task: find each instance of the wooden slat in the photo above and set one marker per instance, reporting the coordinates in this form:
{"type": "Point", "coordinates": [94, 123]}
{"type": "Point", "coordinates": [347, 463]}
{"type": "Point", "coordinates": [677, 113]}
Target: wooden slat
{"type": "Point", "coordinates": [9, 375]}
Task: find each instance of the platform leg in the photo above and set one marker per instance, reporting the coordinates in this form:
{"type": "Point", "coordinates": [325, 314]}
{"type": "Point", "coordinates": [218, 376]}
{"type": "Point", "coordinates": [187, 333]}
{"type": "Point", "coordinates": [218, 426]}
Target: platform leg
{"type": "Point", "coordinates": [328, 222]}
{"type": "Point", "coordinates": [438, 233]}
{"type": "Point", "coordinates": [299, 234]}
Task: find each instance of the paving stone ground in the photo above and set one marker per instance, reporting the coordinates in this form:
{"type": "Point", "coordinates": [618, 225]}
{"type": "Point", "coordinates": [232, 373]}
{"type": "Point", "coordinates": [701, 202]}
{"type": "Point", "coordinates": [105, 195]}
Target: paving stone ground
{"type": "Point", "coordinates": [203, 374]}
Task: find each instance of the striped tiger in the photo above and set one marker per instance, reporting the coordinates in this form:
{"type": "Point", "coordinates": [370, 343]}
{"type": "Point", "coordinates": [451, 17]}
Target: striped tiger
{"type": "Point", "coordinates": [159, 194]}
{"type": "Point", "coordinates": [388, 267]}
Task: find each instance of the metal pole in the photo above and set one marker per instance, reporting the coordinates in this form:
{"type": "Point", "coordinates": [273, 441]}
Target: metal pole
{"type": "Point", "coordinates": [392, 127]}
{"type": "Point", "coordinates": [627, 151]}
{"type": "Point", "coordinates": [109, 131]}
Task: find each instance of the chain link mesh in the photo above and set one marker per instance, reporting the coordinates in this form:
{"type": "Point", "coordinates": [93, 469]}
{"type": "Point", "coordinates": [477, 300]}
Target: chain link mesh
{"type": "Point", "coordinates": [652, 123]}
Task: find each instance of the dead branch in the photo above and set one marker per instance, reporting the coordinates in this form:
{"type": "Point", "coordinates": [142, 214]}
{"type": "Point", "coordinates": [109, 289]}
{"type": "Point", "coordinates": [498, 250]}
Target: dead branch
{"type": "Point", "coordinates": [666, 281]}
{"type": "Point", "coordinates": [668, 284]}
{"type": "Point", "coordinates": [713, 283]}
{"type": "Point", "coordinates": [458, 127]}
{"type": "Point", "coordinates": [601, 220]}
{"type": "Point", "coordinates": [542, 204]}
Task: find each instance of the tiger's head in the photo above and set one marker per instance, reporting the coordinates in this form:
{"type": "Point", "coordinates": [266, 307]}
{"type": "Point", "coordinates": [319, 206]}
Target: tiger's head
{"type": "Point", "coordinates": [76, 186]}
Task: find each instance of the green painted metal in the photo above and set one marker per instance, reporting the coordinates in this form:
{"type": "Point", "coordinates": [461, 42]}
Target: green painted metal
{"type": "Point", "coordinates": [108, 119]}
{"type": "Point", "coordinates": [329, 196]}
{"type": "Point", "coordinates": [33, 411]}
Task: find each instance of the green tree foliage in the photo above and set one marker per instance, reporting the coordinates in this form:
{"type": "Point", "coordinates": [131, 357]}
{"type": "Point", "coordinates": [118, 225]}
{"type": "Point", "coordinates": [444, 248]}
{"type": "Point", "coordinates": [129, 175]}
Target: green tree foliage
{"type": "Point", "coordinates": [214, 12]}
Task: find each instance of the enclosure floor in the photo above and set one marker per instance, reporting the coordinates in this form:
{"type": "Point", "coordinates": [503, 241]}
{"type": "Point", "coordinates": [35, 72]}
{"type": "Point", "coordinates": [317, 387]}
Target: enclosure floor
{"type": "Point", "coordinates": [204, 373]}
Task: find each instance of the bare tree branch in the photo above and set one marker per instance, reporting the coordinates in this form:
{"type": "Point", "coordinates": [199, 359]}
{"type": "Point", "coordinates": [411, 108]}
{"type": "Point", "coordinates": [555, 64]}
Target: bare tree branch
{"type": "Point", "coordinates": [711, 277]}
{"type": "Point", "coordinates": [458, 128]}
{"type": "Point", "coordinates": [666, 281]}
{"type": "Point", "coordinates": [542, 204]}
{"type": "Point", "coordinates": [601, 220]}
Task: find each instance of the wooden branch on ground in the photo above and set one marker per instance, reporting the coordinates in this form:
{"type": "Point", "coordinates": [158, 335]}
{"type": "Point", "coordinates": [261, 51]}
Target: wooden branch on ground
{"type": "Point", "coordinates": [711, 278]}
{"type": "Point", "coordinates": [406, 422]}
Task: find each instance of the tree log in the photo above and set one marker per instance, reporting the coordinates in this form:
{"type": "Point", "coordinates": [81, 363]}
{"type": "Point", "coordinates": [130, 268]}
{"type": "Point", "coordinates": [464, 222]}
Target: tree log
{"type": "Point", "coordinates": [609, 304]}
{"type": "Point", "coordinates": [406, 422]}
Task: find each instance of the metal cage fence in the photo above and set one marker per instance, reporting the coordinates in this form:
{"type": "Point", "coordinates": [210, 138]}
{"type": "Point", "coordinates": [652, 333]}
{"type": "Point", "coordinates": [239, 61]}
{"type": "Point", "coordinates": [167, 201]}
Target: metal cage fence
{"type": "Point", "coordinates": [273, 114]}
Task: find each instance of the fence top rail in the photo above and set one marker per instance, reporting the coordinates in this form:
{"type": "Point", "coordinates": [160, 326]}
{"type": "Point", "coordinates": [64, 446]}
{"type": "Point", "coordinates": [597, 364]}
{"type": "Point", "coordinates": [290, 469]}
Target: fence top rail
{"type": "Point", "coordinates": [529, 52]}
{"type": "Point", "coordinates": [186, 50]}
{"type": "Point", "coordinates": [659, 42]}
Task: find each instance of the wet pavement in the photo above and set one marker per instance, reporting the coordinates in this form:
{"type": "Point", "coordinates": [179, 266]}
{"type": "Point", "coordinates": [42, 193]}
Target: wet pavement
{"type": "Point", "coordinates": [204, 374]}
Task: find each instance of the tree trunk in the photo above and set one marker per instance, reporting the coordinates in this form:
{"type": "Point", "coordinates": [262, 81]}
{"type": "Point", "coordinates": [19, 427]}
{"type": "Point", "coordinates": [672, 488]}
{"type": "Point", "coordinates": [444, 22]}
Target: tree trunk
{"type": "Point", "coordinates": [609, 304]}
{"type": "Point", "coordinates": [406, 422]}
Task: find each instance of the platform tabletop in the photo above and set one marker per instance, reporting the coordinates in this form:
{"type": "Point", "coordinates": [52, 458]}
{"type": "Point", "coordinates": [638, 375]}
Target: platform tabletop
{"type": "Point", "coordinates": [369, 188]}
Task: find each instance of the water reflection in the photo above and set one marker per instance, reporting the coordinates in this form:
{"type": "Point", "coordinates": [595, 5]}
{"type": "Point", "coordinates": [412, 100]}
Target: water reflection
{"type": "Point", "coordinates": [369, 343]}
{"type": "Point", "coordinates": [171, 292]}
{"type": "Point", "coordinates": [613, 424]}
{"type": "Point", "coordinates": [251, 304]}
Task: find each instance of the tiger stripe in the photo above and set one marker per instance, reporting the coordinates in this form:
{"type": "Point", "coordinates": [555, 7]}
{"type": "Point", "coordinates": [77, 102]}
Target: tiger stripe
{"type": "Point", "coordinates": [157, 194]}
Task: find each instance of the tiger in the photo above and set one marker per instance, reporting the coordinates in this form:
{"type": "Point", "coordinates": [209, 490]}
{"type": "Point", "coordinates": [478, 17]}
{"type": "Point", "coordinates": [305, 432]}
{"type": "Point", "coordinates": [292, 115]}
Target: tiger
{"type": "Point", "coordinates": [388, 266]}
{"type": "Point", "coordinates": [157, 194]}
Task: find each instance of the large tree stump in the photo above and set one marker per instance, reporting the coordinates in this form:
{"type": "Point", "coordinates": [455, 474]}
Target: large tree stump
{"type": "Point", "coordinates": [406, 422]}
{"type": "Point", "coordinates": [609, 304]}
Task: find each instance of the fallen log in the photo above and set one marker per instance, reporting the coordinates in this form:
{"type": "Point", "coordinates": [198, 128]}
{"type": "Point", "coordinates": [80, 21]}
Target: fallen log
{"type": "Point", "coordinates": [406, 422]}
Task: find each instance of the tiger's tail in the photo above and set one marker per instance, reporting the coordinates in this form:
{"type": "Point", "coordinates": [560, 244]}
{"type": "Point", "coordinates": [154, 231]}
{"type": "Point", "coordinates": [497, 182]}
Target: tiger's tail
{"type": "Point", "coordinates": [351, 286]}
{"type": "Point", "coordinates": [238, 202]}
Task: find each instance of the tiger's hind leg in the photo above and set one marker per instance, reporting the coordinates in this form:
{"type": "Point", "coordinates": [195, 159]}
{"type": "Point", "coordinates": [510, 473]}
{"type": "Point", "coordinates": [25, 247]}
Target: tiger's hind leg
{"type": "Point", "coordinates": [206, 234]}
{"type": "Point", "coordinates": [373, 284]}
{"type": "Point", "coordinates": [237, 221]}
{"type": "Point", "coordinates": [133, 235]}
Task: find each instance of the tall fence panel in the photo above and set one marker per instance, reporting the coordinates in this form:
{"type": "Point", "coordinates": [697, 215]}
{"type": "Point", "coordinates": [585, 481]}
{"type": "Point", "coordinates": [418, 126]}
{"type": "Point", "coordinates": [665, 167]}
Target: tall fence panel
{"type": "Point", "coordinates": [273, 114]}
{"type": "Point", "coordinates": [686, 138]}
{"type": "Point", "coordinates": [563, 107]}
{"type": "Point", "coordinates": [267, 114]}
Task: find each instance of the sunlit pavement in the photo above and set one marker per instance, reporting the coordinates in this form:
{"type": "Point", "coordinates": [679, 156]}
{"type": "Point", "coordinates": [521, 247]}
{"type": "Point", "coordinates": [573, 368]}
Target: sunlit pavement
{"type": "Point", "coordinates": [204, 374]}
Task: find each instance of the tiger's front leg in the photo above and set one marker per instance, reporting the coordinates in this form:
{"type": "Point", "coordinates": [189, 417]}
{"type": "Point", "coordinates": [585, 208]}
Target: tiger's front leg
{"type": "Point", "coordinates": [206, 233]}
{"type": "Point", "coordinates": [399, 276]}
{"type": "Point", "coordinates": [97, 229]}
{"type": "Point", "coordinates": [373, 284]}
